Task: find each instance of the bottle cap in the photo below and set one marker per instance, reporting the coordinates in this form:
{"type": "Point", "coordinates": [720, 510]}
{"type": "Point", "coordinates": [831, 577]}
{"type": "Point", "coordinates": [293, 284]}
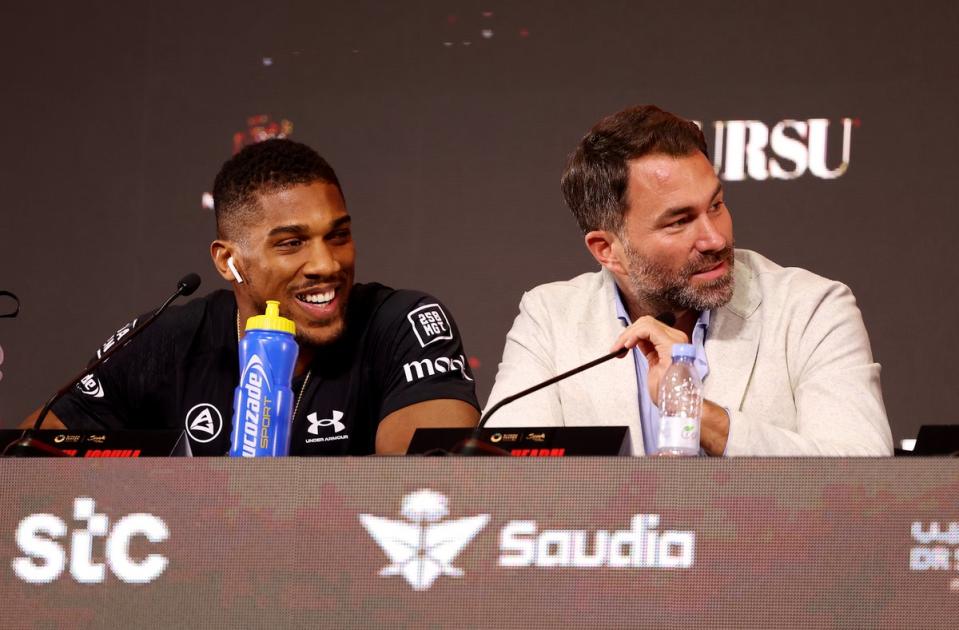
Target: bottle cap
{"type": "Point", "coordinates": [271, 320]}
{"type": "Point", "coordinates": [684, 351]}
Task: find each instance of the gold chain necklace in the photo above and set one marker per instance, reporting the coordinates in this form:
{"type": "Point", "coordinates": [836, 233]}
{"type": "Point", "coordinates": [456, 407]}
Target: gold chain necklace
{"type": "Point", "coordinates": [306, 379]}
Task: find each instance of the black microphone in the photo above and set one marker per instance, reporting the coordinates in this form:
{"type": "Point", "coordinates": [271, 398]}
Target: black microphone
{"type": "Point", "coordinates": [474, 446]}
{"type": "Point", "coordinates": [186, 286]}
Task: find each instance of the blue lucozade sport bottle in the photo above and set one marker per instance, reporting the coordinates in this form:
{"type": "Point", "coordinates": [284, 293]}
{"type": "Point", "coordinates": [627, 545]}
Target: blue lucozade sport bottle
{"type": "Point", "coordinates": [263, 401]}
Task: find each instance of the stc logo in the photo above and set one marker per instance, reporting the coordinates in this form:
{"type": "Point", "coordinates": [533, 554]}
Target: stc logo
{"type": "Point", "coordinates": [749, 149]}
{"type": "Point", "coordinates": [45, 559]}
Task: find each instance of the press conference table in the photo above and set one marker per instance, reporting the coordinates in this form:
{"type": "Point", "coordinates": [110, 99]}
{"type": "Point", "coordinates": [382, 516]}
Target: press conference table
{"type": "Point", "coordinates": [485, 542]}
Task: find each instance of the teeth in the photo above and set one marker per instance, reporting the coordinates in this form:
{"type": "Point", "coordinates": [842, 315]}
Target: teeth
{"type": "Point", "coordinates": [317, 298]}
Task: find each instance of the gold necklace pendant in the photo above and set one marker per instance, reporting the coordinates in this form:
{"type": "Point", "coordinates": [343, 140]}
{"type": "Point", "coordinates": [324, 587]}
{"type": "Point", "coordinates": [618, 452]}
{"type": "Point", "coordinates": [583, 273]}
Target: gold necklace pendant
{"type": "Point", "coordinates": [306, 380]}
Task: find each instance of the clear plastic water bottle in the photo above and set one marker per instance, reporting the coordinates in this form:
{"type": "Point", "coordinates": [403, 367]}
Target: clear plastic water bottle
{"type": "Point", "coordinates": [680, 405]}
{"type": "Point", "coordinates": [263, 401]}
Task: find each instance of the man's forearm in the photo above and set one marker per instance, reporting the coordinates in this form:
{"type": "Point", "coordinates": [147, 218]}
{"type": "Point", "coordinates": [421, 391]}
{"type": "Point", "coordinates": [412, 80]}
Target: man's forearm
{"type": "Point", "coordinates": [51, 421]}
{"type": "Point", "coordinates": [396, 430]}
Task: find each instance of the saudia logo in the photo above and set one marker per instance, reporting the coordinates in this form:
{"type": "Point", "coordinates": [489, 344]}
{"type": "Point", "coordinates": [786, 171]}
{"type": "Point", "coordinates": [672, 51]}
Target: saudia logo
{"type": "Point", "coordinates": [45, 559]}
{"type": "Point", "coordinates": [523, 545]}
{"type": "Point", "coordinates": [749, 149]}
{"type": "Point", "coordinates": [423, 548]}
{"type": "Point", "coordinates": [254, 379]}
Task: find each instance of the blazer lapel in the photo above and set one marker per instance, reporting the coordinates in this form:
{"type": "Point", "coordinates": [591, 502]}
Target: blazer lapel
{"type": "Point", "coordinates": [613, 392]}
{"type": "Point", "coordinates": [732, 342]}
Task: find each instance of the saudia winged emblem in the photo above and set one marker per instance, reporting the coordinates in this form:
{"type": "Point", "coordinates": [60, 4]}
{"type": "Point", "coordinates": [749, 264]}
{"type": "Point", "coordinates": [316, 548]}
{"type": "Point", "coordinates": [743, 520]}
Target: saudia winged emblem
{"type": "Point", "coordinates": [423, 548]}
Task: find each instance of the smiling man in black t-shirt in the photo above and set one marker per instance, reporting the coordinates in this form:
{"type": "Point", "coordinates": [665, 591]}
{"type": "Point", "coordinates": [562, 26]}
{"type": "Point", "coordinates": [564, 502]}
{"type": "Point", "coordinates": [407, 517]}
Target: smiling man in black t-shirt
{"type": "Point", "coordinates": [374, 363]}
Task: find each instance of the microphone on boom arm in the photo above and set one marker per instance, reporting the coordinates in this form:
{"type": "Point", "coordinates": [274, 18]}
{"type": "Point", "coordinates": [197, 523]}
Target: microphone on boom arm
{"type": "Point", "coordinates": [30, 446]}
{"type": "Point", "coordinates": [474, 446]}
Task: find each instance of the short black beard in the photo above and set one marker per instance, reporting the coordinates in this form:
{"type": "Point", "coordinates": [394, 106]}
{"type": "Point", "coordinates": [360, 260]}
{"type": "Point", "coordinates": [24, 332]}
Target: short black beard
{"type": "Point", "coordinates": [660, 289]}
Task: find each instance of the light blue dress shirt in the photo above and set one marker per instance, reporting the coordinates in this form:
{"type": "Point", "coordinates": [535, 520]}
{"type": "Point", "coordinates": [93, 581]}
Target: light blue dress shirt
{"type": "Point", "coordinates": [648, 412]}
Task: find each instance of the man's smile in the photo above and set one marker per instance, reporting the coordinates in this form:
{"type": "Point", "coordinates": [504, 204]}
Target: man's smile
{"type": "Point", "coordinates": [712, 272]}
{"type": "Point", "coordinates": [319, 303]}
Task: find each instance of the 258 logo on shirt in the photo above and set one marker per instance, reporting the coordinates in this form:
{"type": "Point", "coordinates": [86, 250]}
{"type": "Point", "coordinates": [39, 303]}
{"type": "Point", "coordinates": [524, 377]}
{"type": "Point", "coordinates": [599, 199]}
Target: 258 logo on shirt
{"type": "Point", "coordinates": [430, 324]}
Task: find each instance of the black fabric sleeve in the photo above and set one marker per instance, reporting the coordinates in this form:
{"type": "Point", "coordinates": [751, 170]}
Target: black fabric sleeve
{"type": "Point", "coordinates": [419, 355]}
{"type": "Point", "coordinates": [122, 393]}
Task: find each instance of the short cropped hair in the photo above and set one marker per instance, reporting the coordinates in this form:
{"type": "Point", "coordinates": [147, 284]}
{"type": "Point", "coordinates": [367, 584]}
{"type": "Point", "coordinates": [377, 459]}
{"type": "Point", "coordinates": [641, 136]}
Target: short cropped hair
{"type": "Point", "coordinates": [264, 167]}
{"type": "Point", "coordinates": [596, 178]}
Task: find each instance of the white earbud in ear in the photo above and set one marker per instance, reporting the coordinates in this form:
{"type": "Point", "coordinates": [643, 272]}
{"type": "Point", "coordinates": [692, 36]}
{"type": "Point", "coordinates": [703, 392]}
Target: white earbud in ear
{"type": "Point", "coordinates": [236, 274]}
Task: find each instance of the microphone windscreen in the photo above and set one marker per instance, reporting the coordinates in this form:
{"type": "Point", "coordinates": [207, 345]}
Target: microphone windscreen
{"type": "Point", "coordinates": [188, 284]}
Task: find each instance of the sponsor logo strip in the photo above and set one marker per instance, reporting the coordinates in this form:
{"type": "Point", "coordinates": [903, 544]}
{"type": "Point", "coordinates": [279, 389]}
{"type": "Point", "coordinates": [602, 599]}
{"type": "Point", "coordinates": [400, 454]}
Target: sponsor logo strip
{"type": "Point", "coordinates": [416, 370]}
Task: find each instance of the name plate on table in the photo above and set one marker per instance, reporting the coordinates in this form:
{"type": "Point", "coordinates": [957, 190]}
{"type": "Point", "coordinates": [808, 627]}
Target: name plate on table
{"type": "Point", "coordinates": [163, 443]}
{"type": "Point", "coordinates": [529, 441]}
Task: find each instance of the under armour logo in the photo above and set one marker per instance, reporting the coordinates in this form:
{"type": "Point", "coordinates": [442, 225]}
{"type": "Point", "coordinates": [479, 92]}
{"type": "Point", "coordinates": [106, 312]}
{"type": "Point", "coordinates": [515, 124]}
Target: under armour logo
{"type": "Point", "coordinates": [334, 422]}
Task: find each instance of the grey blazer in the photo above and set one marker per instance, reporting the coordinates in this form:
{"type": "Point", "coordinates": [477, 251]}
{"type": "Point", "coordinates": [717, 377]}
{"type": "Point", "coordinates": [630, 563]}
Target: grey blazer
{"type": "Point", "coordinates": [789, 358]}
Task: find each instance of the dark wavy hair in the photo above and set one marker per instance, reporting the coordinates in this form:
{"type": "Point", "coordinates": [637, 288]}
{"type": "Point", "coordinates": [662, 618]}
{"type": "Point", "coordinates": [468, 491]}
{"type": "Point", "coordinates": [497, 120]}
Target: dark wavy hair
{"type": "Point", "coordinates": [597, 173]}
{"type": "Point", "coordinates": [264, 167]}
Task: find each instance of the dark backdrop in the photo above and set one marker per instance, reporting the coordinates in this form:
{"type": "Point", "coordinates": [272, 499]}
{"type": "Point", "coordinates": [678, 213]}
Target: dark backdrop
{"type": "Point", "coordinates": [449, 123]}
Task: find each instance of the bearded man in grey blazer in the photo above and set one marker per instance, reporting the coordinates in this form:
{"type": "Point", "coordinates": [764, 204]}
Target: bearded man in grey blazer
{"type": "Point", "coordinates": [786, 361]}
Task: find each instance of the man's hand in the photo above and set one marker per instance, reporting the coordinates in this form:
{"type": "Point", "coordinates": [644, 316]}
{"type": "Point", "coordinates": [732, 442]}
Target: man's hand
{"type": "Point", "coordinates": [713, 429]}
{"type": "Point", "coordinates": [655, 340]}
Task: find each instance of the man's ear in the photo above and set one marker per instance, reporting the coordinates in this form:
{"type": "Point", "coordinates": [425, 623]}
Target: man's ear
{"type": "Point", "coordinates": [607, 249]}
{"type": "Point", "coordinates": [223, 252]}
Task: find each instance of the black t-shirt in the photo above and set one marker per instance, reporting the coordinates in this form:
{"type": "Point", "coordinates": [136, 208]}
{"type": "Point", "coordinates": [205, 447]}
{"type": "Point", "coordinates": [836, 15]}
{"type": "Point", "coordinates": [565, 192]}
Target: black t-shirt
{"type": "Point", "coordinates": [398, 348]}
